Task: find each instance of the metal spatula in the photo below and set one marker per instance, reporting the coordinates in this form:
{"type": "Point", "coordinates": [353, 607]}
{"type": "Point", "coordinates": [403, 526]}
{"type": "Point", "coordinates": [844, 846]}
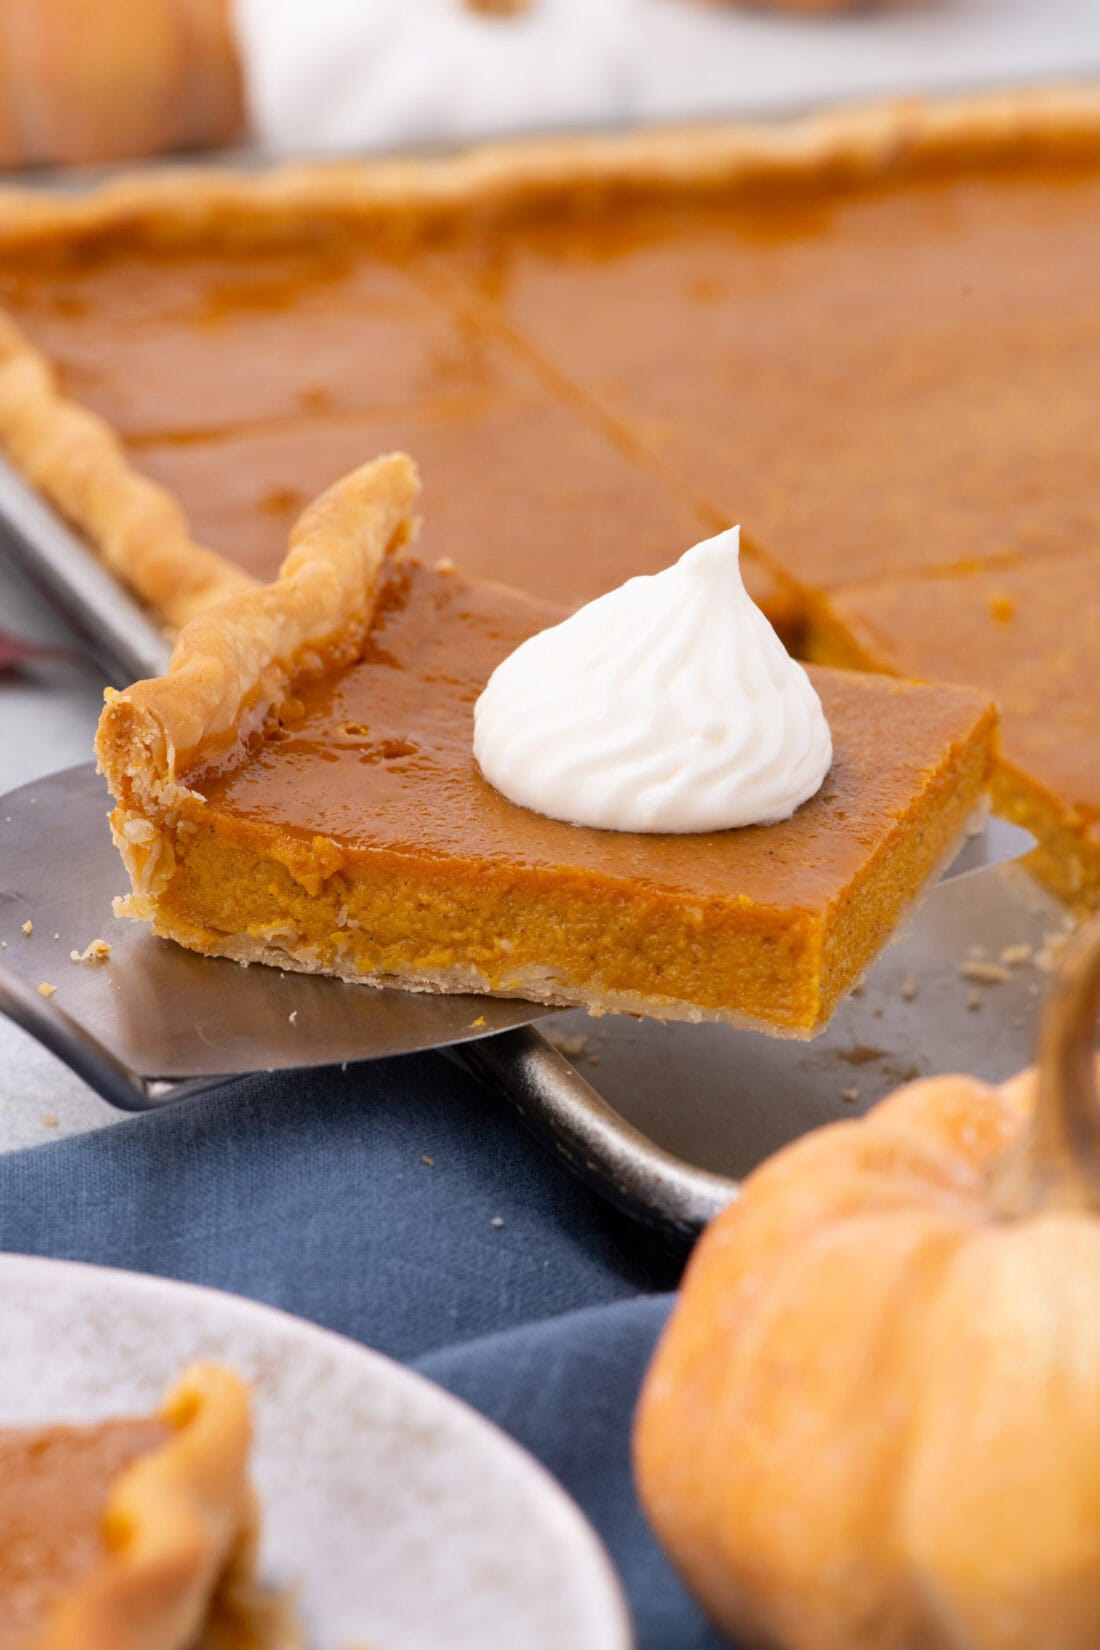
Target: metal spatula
{"type": "Point", "coordinates": [156, 1024]}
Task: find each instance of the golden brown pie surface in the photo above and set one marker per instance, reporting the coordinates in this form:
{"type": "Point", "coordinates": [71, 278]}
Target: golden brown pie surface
{"type": "Point", "coordinates": [895, 377]}
{"type": "Point", "coordinates": [872, 339]}
{"type": "Point", "coordinates": [1032, 639]}
{"type": "Point", "coordinates": [379, 760]}
{"type": "Point", "coordinates": [248, 381]}
{"type": "Point", "coordinates": [892, 376]}
{"type": "Point", "coordinates": [359, 838]}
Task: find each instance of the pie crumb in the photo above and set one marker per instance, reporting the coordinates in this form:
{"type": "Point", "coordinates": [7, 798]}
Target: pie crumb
{"type": "Point", "coordinates": [572, 1047]}
{"type": "Point", "coordinates": [430, 1161]}
{"type": "Point", "coordinates": [96, 951]}
{"type": "Point", "coordinates": [474, 1024]}
{"type": "Point", "coordinates": [909, 987]}
{"type": "Point", "coordinates": [28, 926]}
{"type": "Point", "coordinates": [1014, 955]}
{"type": "Point", "coordinates": [1047, 957]}
{"type": "Point", "coordinates": [293, 1016]}
{"type": "Point", "coordinates": [496, 1221]}
{"type": "Point", "coordinates": [50, 1121]}
{"type": "Point", "coordinates": [973, 999]}
{"type": "Point", "coordinates": [498, 8]}
{"type": "Point", "coordinates": [986, 973]}
{"type": "Point", "coordinates": [851, 1095]}
{"type": "Point", "coordinates": [46, 990]}
{"type": "Point", "coordinates": [1002, 608]}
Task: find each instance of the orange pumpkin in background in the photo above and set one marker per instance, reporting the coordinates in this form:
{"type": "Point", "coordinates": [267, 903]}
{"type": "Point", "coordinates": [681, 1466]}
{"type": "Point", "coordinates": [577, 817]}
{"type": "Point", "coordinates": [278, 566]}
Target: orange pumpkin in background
{"type": "Point", "coordinates": [96, 80]}
{"type": "Point", "coordinates": [873, 1421]}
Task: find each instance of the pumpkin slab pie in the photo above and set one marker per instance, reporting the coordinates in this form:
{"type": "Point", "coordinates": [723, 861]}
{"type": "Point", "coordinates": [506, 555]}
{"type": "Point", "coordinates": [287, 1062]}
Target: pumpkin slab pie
{"type": "Point", "coordinates": [300, 789]}
{"type": "Point", "coordinates": [869, 335]}
{"type": "Point", "coordinates": [136, 1534]}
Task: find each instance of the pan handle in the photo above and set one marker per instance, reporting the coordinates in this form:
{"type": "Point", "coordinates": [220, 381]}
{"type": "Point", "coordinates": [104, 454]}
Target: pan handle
{"type": "Point", "coordinates": [598, 1145]}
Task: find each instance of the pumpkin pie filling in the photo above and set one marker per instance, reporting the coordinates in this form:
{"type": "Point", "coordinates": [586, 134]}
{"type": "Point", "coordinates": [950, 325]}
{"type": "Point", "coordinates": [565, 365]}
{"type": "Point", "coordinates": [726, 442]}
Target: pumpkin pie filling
{"type": "Point", "coordinates": [1032, 645]}
{"type": "Point", "coordinates": [357, 836]}
{"type": "Point", "coordinates": [872, 338]}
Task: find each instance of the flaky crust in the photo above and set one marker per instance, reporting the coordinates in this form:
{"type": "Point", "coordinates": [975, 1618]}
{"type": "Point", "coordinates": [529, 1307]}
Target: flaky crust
{"type": "Point", "coordinates": [77, 463]}
{"type": "Point", "coordinates": [139, 529]}
{"type": "Point", "coordinates": [529, 984]}
{"type": "Point", "coordinates": [188, 205]}
{"type": "Point", "coordinates": [175, 1522]}
{"type": "Point", "coordinates": [235, 666]}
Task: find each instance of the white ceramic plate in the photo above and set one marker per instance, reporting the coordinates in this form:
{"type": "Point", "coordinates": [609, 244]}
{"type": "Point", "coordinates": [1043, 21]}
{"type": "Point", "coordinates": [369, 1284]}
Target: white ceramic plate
{"type": "Point", "coordinates": [407, 1519]}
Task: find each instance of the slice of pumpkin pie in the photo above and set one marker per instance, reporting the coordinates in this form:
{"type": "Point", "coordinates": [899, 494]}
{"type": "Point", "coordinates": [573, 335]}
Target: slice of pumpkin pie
{"type": "Point", "coordinates": [301, 789]}
{"type": "Point", "coordinates": [138, 1533]}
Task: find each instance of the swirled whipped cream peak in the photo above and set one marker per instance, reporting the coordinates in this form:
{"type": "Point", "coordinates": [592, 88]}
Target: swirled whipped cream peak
{"type": "Point", "coordinates": [669, 704]}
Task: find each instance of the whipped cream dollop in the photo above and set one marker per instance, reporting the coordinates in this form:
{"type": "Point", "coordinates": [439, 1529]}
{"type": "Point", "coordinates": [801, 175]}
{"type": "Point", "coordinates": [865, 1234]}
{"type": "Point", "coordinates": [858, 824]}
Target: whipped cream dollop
{"type": "Point", "coordinates": [669, 704]}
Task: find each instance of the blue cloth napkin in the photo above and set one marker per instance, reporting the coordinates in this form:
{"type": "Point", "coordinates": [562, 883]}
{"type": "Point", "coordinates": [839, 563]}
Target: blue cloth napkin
{"type": "Point", "coordinates": [402, 1205]}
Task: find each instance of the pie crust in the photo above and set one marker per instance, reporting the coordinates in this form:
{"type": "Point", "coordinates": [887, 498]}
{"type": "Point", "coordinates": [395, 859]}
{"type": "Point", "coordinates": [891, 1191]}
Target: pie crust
{"type": "Point", "coordinates": [233, 669]}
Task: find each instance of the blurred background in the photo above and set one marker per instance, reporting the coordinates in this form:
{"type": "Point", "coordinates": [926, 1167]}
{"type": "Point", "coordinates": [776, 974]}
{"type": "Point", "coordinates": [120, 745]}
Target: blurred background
{"type": "Point", "coordinates": [89, 81]}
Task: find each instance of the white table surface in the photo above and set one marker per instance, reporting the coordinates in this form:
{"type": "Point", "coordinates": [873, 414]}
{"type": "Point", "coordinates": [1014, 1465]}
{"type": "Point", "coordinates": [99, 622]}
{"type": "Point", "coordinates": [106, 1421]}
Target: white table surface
{"type": "Point", "coordinates": [703, 60]}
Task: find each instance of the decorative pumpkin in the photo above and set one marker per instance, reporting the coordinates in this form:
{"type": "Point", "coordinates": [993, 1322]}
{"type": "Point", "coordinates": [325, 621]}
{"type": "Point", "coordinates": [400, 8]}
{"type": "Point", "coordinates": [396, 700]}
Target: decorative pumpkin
{"type": "Point", "coordinates": [92, 80]}
{"type": "Point", "coordinates": [873, 1422]}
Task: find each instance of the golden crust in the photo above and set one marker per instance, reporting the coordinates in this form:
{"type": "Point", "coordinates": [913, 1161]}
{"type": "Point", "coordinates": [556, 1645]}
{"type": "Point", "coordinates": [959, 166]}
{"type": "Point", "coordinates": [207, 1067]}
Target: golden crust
{"type": "Point", "coordinates": [74, 459]}
{"type": "Point", "coordinates": [191, 204]}
{"type": "Point", "coordinates": [176, 1522]}
{"type": "Point", "coordinates": [233, 667]}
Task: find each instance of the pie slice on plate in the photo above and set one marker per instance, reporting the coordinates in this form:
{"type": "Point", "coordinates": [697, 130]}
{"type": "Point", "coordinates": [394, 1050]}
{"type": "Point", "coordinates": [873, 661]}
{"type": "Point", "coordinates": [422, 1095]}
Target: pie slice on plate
{"type": "Point", "coordinates": [136, 1534]}
{"type": "Point", "coordinates": [300, 790]}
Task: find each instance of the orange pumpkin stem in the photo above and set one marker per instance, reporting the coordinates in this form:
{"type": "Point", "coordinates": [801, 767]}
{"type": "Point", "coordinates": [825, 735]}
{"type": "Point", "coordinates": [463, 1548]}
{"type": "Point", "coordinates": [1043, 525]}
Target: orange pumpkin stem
{"type": "Point", "coordinates": [1056, 1163]}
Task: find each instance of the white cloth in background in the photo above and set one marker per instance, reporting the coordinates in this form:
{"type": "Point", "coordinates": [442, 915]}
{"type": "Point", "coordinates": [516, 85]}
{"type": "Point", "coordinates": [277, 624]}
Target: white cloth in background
{"type": "Point", "coordinates": [375, 74]}
{"type": "Point", "coordinates": [368, 74]}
